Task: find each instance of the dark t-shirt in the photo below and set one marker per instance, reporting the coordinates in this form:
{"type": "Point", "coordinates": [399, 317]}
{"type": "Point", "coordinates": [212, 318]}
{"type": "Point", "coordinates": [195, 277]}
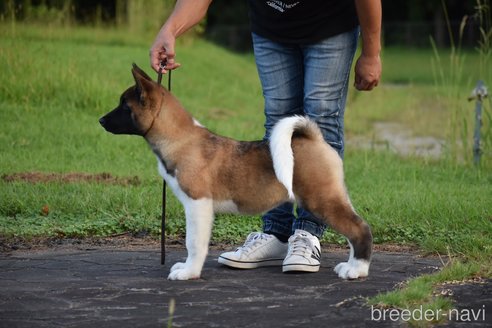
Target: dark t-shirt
{"type": "Point", "coordinates": [301, 21]}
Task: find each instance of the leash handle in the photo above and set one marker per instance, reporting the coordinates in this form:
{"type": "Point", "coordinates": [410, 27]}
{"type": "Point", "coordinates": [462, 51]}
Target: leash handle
{"type": "Point", "coordinates": [162, 65]}
{"type": "Point", "coordinates": [163, 224]}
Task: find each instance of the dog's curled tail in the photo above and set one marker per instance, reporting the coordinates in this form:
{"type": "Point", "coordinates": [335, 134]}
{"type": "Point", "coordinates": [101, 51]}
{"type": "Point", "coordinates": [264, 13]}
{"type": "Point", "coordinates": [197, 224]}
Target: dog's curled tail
{"type": "Point", "coordinates": [281, 146]}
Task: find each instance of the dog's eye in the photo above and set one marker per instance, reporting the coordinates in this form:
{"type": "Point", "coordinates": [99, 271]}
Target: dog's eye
{"type": "Point", "coordinates": [126, 107]}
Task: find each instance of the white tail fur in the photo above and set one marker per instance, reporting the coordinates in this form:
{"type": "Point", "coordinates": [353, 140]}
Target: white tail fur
{"type": "Point", "coordinates": [281, 147]}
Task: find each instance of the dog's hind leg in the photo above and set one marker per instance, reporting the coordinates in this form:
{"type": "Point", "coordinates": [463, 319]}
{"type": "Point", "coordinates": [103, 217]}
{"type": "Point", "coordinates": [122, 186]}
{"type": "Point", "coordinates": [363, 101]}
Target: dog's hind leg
{"type": "Point", "coordinates": [339, 214]}
{"type": "Point", "coordinates": [199, 221]}
{"type": "Point", "coordinates": [359, 238]}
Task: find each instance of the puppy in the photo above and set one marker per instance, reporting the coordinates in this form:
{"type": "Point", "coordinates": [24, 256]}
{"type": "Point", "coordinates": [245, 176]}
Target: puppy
{"type": "Point", "coordinates": [214, 174]}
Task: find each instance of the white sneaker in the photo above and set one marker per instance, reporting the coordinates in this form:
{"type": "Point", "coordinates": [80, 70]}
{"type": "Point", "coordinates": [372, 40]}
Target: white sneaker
{"type": "Point", "coordinates": [304, 253]}
{"type": "Point", "coordinates": [259, 250]}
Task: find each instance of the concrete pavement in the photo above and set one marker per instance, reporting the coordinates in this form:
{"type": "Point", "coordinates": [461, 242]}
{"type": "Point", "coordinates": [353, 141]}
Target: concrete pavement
{"type": "Point", "coordinates": [99, 286]}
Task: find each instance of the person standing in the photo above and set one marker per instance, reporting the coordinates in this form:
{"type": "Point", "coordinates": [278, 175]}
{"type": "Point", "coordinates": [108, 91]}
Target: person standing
{"type": "Point", "coordinates": [303, 51]}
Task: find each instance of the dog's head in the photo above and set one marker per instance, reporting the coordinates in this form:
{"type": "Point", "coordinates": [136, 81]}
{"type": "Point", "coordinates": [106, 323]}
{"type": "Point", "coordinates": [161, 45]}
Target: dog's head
{"type": "Point", "coordinates": [138, 107]}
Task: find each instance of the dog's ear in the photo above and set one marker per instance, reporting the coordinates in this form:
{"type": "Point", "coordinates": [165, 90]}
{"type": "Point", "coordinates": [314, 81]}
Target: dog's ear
{"type": "Point", "coordinates": [143, 83]}
{"type": "Point", "coordinates": [140, 72]}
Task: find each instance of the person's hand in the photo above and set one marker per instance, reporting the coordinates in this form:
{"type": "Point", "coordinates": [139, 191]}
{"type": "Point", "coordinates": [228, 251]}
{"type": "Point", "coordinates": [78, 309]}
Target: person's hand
{"type": "Point", "coordinates": [367, 72]}
{"type": "Point", "coordinates": [162, 51]}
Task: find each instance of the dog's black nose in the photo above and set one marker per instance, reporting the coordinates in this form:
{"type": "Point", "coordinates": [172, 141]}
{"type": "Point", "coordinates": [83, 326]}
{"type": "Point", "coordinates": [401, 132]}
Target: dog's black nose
{"type": "Point", "coordinates": [102, 121]}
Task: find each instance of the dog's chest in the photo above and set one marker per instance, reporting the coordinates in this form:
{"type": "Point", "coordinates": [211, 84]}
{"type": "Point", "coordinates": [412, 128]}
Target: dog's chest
{"type": "Point", "coordinates": [225, 206]}
{"type": "Point", "coordinates": [219, 206]}
{"type": "Point", "coordinates": [172, 183]}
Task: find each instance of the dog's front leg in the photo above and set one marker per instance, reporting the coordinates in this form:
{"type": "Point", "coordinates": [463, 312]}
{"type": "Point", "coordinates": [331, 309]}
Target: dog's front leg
{"type": "Point", "coordinates": [199, 221]}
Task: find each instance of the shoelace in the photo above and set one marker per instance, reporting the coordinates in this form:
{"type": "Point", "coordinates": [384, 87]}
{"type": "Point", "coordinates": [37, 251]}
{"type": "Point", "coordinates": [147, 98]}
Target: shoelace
{"type": "Point", "coordinates": [253, 239]}
{"type": "Point", "coordinates": [300, 245]}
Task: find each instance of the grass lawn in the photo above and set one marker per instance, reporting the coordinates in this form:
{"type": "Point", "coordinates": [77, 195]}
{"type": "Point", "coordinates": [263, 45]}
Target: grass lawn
{"type": "Point", "coordinates": [56, 83]}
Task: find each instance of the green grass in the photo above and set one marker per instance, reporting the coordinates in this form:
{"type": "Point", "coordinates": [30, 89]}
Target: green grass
{"type": "Point", "coordinates": [56, 83]}
{"type": "Point", "coordinates": [50, 105]}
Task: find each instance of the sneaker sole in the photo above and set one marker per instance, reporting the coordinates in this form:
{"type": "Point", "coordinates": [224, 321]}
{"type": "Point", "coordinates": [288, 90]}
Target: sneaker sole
{"type": "Point", "coordinates": [249, 265]}
{"type": "Point", "coordinates": [300, 268]}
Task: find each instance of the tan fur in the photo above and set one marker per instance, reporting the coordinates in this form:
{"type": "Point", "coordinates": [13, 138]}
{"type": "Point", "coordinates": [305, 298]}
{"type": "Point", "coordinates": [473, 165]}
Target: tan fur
{"type": "Point", "coordinates": [211, 166]}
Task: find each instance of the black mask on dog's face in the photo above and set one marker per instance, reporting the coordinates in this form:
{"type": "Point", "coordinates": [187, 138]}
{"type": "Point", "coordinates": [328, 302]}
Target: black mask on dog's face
{"type": "Point", "coordinates": [137, 109]}
{"type": "Point", "coordinates": [121, 120]}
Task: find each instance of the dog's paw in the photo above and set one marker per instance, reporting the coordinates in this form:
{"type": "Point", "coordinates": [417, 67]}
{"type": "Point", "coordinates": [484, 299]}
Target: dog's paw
{"type": "Point", "coordinates": [352, 269]}
{"type": "Point", "coordinates": [178, 266]}
{"type": "Point", "coordinates": [183, 274]}
{"type": "Point", "coordinates": [181, 271]}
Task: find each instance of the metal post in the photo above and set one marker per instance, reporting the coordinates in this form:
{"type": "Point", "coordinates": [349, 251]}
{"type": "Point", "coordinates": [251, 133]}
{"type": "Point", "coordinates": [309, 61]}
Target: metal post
{"type": "Point", "coordinates": [479, 93]}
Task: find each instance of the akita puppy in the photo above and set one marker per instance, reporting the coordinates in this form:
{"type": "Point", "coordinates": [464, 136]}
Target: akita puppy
{"type": "Point", "coordinates": [214, 174]}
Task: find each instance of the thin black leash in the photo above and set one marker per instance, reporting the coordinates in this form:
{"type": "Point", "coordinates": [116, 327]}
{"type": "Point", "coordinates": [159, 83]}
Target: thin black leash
{"type": "Point", "coordinates": [163, 214]}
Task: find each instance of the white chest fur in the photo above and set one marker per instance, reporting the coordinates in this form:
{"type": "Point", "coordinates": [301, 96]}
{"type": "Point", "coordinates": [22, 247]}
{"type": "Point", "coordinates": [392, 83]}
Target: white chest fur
{"type": "Point", "coordinates": [224, 206]}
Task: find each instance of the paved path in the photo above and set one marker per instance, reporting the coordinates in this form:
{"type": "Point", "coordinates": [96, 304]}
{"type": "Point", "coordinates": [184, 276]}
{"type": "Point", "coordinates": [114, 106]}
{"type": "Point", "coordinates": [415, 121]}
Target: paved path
{"type": "Point", "coordinates": [107, 287]}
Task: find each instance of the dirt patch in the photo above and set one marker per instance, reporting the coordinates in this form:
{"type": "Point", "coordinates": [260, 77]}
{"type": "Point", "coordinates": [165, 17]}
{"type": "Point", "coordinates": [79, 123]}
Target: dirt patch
{"type": "Point", "coordinates": [74, 177]}
{"type": "Point", "coordinates": [134, 240]}
{"type": "Point", "coordinates": [401, 140]}
{"type": "Point", "coordinates": [124, 241]}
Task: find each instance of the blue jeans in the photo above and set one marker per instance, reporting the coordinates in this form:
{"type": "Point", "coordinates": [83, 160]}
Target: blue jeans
{"type": "Point", "coordinates": [311, 80]}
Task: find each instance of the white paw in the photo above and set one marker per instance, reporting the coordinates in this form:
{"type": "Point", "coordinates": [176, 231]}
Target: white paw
{"type": "Point", "coordinates": [352, 269]}
{"type": "Point", "coordinates": [180, 271]}
{"type": "Point", "coordinates": [178, 266]}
